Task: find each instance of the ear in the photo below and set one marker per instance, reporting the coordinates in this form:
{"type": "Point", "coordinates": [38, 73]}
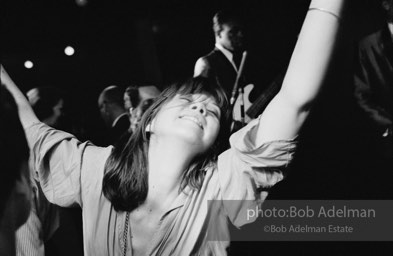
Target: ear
{"type": "Point", "coordinates": [150, 126]}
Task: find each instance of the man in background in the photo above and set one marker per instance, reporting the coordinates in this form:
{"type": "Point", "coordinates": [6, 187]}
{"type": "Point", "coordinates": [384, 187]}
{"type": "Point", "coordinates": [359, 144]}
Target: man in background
{"type": "Point", "coordinates": [137, 100]}
{"type": "Point", "coordinates": [374, 78]}
{"type": "Point", "coordinates": [373, 93]}
{"type": "Point", "coordinates": [222, 64]}
{"type": "Point", "coordinates": [111, 105]}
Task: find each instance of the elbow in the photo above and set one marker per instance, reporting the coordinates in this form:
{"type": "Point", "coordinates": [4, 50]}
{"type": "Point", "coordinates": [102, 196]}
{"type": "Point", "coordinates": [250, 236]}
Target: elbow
{"type": "Point", "coordinates": [306, 106]}
{"type": "Point", "coordinates": [301, 103]}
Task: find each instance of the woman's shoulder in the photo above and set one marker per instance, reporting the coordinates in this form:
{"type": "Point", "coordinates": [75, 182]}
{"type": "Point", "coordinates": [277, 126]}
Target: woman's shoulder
{"type": "Point", "coordinates": [94, 159]}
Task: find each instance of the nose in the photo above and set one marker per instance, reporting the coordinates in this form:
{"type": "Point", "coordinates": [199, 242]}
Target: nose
{"type": "Point", "coordinates": [200, 107]}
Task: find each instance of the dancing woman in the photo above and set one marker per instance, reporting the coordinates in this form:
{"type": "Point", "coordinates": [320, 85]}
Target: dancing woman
{"type": "Point", "coordinates": [150, 195]}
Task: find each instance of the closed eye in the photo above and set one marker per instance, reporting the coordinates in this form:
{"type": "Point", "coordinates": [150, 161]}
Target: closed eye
{"type": "Point", "coordinates": [214, 113]}
{"type": "Point", "coordinates": [185, 98]}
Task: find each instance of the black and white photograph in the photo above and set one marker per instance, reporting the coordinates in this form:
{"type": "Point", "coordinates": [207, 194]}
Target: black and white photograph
{"type": "Point", "coordinates": [184, 127]}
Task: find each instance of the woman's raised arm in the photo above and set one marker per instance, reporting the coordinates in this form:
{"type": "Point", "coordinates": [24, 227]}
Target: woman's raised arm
{"type": "Point", "coordinates": [63, 163]}
{"type": "Point", "coordinates": [287, 112]}
{"type": "Point", "coordinates": [26, 113]}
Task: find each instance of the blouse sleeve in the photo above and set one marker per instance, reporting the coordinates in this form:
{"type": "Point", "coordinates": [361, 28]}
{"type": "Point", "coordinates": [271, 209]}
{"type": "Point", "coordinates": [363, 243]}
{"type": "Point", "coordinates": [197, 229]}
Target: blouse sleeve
{"type": "Point", "coordinates": [246, 171]}
{"type": "Point", "coordinates": [68, 170]}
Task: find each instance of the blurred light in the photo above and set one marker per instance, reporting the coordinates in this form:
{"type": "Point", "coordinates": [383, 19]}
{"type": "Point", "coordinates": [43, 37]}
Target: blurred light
{"type": "Point", "coordinates": [28, 64]}
{"type": "Point", "coordinates": [69, 51]}
{"type": "Point", "coordinates": [155, 29]}
{"type": "Point", "coordinates": [81, 2]}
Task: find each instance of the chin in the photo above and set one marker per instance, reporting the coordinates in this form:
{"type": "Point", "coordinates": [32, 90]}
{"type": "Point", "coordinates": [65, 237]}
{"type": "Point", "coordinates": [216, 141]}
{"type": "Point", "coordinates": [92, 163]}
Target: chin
{"type": "Point", "coordinates": [187, 136]}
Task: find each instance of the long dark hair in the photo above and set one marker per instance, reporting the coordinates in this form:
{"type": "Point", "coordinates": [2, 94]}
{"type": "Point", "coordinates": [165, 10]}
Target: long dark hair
{"type": "Point", "coordinates": [125, 181]}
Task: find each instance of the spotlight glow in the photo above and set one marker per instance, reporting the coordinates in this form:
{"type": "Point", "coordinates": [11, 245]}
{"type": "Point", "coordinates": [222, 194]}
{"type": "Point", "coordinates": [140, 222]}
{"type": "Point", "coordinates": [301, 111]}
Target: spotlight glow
{"type": "Point", "coordinates": [81, 2]}
{"type": "Point", "coordinates": [28, 64]}
{"type": "Point", "coordinates": [69, 51]}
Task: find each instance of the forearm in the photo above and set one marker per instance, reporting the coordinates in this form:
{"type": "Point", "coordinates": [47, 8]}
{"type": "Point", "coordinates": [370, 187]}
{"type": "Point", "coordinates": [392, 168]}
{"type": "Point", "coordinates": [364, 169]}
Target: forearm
{"type": "Point", "coordinates": [286, 113]}
{"type": "Point", "coordinates": [26, 113]}
{"type": "Point", "coordinates": [311, 57]}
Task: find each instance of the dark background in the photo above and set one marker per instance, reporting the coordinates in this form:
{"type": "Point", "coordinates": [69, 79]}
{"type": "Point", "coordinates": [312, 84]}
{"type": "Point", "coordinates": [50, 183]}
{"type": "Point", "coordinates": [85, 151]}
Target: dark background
{"type": "Point", "coordinates": [157, 42]}
{"type": "Point", "coordinates": [133, 42]}
{"type": "Point", "coordinates": [128, 42]}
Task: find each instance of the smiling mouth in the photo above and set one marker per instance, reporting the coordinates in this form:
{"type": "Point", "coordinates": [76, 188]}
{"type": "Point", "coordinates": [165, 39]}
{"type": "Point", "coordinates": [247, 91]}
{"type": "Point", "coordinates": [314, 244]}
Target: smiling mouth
{"type": "Point", "coordinates": [193, 119]}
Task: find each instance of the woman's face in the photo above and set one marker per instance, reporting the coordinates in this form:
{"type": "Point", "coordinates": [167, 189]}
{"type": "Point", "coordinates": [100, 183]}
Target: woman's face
{"type": "Point", "coordinates": [194, 119]}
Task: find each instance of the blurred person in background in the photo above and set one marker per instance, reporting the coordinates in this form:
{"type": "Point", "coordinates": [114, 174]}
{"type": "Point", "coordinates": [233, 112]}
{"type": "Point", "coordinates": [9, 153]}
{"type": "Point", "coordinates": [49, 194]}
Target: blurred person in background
{"type": "Point", "coordinates": [15, 190]}
{"type": "Point", "coordinates": [374, 77]}
{"type": "Point", "coordinates": [111, 105]}
{"type": "Point", "coordinates": [47, 223]}
{"type": "Point", "coordinates": [43, 221]}
{"type": "Point", "coordinates": [137, 100]}
{"type": "Point", "coordinates": [373, 82]}
{"type": "Point", "coordinates": [48, 104]}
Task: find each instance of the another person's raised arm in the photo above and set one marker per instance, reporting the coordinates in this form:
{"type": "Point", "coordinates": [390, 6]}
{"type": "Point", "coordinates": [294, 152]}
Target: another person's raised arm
{"type": "Point", "coordinates": [308, 66]}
